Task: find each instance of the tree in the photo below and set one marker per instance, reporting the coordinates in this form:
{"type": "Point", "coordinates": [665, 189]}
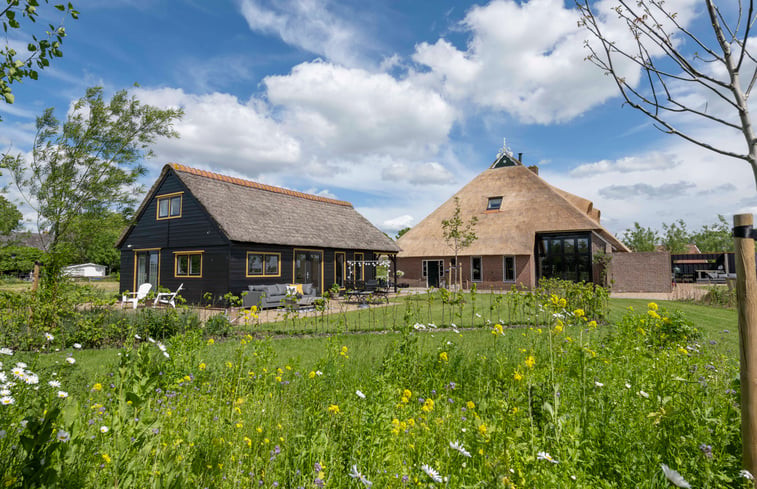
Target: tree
{"type": "Point", "coordinates": [676, 239]}
{"type": "Point", "coordinates": [92, 237]}
{"type": "Point", "coordinates": [18, 260]}
{"type": "Point", "coordinates": [674, 62]}
{"type": "Point", "coordinates": [459, 235]}
{"type": "Point", "coordinates": [10, 217]}
{"type": "Point", "coordinates": [714, 238]}
{"type": "Point", "coordinates": [15, 66]}
{"type": "Point", "coordinates": [401, 232]}
{"type": "Point", "coordinates": [640, 239]}
{"type": "Point", "coordinates": [92, 161]}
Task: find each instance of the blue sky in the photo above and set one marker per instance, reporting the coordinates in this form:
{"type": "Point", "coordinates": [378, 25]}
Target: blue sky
{"type": "Point", "coordinates": [392, 105]}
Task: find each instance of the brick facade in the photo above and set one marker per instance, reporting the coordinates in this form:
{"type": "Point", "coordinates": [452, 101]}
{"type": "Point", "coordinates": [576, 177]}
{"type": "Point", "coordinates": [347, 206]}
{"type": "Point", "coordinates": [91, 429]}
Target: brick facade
{"type": "Point", "coordinates": [640, 272]}
{"type": "Point", "coordinates": [492, 268]}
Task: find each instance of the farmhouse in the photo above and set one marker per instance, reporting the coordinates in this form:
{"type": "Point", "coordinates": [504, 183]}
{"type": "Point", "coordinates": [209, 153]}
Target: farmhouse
{"type": "Point", "coordinates": [217, 234]}
{"type": "Point", "coordinates": [527, 230]}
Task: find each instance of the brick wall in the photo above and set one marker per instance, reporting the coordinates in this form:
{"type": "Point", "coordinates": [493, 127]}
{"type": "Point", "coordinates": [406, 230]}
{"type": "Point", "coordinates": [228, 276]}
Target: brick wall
{"type": "Point", "coordinates": [640, 272]}
{"type": "Point", "coordinates": [492, 268]}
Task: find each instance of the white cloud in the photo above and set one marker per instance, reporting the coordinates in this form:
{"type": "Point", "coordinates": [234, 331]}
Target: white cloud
{"type": "Point", "coordinates": [431, 173]}
{"type": "Point", "coordinates": [650, 161]}
{"type": "Point", "coordinates": [348, 111]}
{"type": "Point", "coordinates": [220, 131]}
{"type": "Point", "coordinates": [307, 24]}
{"type": "Point", "coordinates": [528, 59]}
{"type": "Point", "coordinates": [399, 222]}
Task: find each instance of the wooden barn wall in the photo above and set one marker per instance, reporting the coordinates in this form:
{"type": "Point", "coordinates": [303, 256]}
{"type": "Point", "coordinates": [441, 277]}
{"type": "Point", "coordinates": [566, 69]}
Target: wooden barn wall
{"type": "Point", "coordinates": [194, 230]}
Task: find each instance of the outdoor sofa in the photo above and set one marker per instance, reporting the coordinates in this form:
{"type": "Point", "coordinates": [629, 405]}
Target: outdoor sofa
{"type": "Point", "coordinates": [267, 296]}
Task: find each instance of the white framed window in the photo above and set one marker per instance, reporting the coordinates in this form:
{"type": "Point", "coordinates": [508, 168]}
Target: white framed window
{"type": "Point", "coordinates": [508, 269]}
{"type": "Point", "coordinates": [494, 203]}
{"type": "Point", "coordinates": [476, 269]}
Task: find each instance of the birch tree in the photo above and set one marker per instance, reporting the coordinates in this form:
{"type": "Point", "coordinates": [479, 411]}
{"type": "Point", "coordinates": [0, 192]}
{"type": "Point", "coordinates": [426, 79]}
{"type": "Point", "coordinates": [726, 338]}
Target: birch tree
{"type": "Point", "coordinates": [675, 61]}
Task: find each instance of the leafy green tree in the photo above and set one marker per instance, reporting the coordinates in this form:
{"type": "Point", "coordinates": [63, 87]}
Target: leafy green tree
{"type": "Point", "coordinates": [714, 237]}
{"type": "Point", "coordinates": [401, 232]}
{"type": "Point", "coordinates": [18, 259]}
{"type": "Point", "coordinates": [91, 238]}
{"type": "Point", "coordinates": [676, 238]}
{"type": "Point", "coordinates": [92, 161]}
{"type": "Point", "coordinates": [42, 48]}
{"type": "Point", "coordinates": [10, 217]}
{"type": "Point", "coordinates": [459, 234]}
{"type": "Point", "coordinates": [640, 239]}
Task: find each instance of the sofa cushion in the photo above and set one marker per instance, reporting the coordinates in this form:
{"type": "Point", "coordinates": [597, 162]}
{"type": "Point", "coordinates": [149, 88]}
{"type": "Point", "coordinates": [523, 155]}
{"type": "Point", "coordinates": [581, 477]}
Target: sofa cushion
{"type": "Point", "coordinates": [278, 289]}
{"type": "Point", "coordinates": [308, 289]}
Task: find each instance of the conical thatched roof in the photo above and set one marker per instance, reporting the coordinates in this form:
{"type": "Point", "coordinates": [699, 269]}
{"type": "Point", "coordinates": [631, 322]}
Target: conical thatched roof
{"type": "Point", "coordinates": [529, 206]}
{"type": "Point", "coordinates": [251, 212]}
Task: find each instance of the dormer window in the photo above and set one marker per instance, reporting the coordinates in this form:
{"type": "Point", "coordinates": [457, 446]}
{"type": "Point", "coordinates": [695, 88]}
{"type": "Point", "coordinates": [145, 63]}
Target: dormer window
{"type": "Point", "coordinates": [494, 204]}
{"type": "Point", "coordinates": [169, 206]}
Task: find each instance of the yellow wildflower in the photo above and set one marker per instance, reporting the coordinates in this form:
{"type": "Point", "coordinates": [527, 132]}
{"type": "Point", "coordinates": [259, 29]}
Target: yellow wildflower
{"type": "Point", "coordinates": [443, 356]}
{"type": "Point", "coordinates": [530, 361]}
{"type": "Point", "coordinates": [498, 330]}
{"type": "Point", "coordinates": [518, 376]}
{"type": "Point", "coordinates": [653, 314]}
{"type": "Point", "coordinates": [211, 341]}
{"type": "Point", "coordinates": [471, 405]}
{"type": "Point", "coordinates": [563, 303]}
{"type": "Point", "coordinates": [248, 442]}
{"type": "Point", "coordinates": [333, 409]}
{"type": "Point", "coordinates": [278, 378]}
{"type": "Point", "coordinates": [229, 365]}
{"type": "Point", "coordinates": [592, 324]}
{"type": "Point", "coordinates": [106, 457]}
{"type": "Point", "coordinates": [311, 375]}
{"type": "Point", "coordinates": [406, 393]}
{"type": "Point", "coordinates": [428, 406]}
{"type": "Point", "coordinates": [682, 350]}
{"type": "Point", "coordinates": [343, 352]}
{"type": "Point", "coordinates": [482, 429]}
{"type": "Point", "coordinates": [97, 387]}
{"type": "Point", "coordinates": [202, 366]}
{"type": "Point", "coordinates": [652, 306]}
{"type": "Point", "coordinates": [558, 326]}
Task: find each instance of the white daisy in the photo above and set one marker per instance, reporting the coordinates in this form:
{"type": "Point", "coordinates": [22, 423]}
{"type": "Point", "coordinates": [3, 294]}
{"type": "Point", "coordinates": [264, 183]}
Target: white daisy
{"type": "Point", "coordinates": [63, 436]}
{"type": "Point", "coordinates": [360, 394]}
{"type": "Point", "coordinates": [31, 378]}
{"type": "Point", "coordinates": [71, 360]}
{"type": "Point", "coordinates": [746, 475]}
{"type": "Point", "coordinates": [433, 474]}
{"type": "Point", "coordinates": [7, 400]}
{"type": "Point", "coordinates": [62, 394]}
{"type": "Point", "coordinates": [674, 477]}
{"type": "Point", "coordinates": [49, 337]}
{"type": "Point", "coordinates": [5, 392]}
{"type": "Point", "coordinates": [54, 383]}
{"type": "Point", "coordinates": [3, 377]}
{"type": "Point", "coordinates": [643, 394]}
{"type": "Point", "coordinates": [598, 384]}
{"type": "Point", "coordinates": [165, 354]}
{"type": "Point", "coordinates": [546, 456]}
{"type": "Point", "coordinates": [6, 351]}
{"type": "Point", "coordinates": [455, 445]}
{"type": "Point", "coordinates": [355, 474]}
{"type": "Point", "coordinates": [18, 372]}
{"type": "Point", "coordinates": [161, 346]}
{"type": "Point", "coordinates": [104, 429]}
{"type": "Point", "coordinates": [21, 365]}
{"type": "Point", "coordinates": [77, 346]}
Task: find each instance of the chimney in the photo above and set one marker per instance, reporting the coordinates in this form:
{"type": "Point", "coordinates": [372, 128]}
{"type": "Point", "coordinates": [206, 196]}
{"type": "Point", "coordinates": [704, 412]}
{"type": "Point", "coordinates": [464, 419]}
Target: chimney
{"type": "Point", "coordinates": [520, 157]}
{"type": "Point", "coordinates": [534, 169]}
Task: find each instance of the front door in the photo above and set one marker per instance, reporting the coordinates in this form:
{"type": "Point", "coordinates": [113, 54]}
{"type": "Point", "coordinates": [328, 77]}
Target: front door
{"type": "Point", "coordinates": [148, 267]}
{"type": "Point", "coordinates": [432, 273]}
{"type": "Point", "coordinates": [308, 268]}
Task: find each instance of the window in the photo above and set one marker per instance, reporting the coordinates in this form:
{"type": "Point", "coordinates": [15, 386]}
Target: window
{"type": "Point", "coordinates": [475, 268]}
{"type": "Point", "coordinates": [359, 269]}
{"type": "Point", "coordinates": [494, 204]}
{"type": "Point", "coordinates": [263, 264]}
{"type": "Point", "coordinates": [169, 206]}
{"type": "Point", "coordinates": [188, 264]}
{"type": "Point", "coordinates": [565, 256]}
{"type": "Point", "coordinates": [508, 274]}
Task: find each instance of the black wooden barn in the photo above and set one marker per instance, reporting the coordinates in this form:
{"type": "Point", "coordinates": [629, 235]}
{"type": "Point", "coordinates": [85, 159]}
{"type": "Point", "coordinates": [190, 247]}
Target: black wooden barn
{"type": "Point", "coordinates": [218, 234]}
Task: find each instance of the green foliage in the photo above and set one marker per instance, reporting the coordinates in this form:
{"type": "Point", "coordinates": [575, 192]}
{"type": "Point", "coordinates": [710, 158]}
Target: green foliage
{"type": "Point", "coordinates": [658, 327]}
{"type": "Point", "coordinates": [90, 162]}
{"type": "Point", "coordinates": [15, 66]}
{"type": "Point", "coordinates": [91, 238]}
{"type": "Point", "coordinates": [640, 239]}
{"type": "Point", "coordinates": [218, 325]}
{"type": "Point", "coordinates": [459, 234]}
{"type": "Point", "coordinates": [401, 232]}
{"type": "Point", "coordinates": [718, 295]}
{"type": "Point", "coordinates": [713, 238]}
{"type": "Point", "coordinates": [18, 259]}
{"type": "Point", "coordinates": [676, 237]}
{"type": "Point", "coordinates": [10, 216]}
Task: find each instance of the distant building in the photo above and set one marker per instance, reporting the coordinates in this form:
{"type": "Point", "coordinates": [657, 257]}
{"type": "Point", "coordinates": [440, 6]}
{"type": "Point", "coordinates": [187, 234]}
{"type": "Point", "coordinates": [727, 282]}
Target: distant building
{"type": "Point", "coordinates": [85, 270]}
{"type": "Point", "coordinates": [527, 230]}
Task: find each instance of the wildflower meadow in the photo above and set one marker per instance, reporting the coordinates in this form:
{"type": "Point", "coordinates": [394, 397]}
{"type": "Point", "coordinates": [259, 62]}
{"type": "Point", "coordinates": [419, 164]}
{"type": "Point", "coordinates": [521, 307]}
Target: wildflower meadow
{"type": "Point", "coordinates": [574, 401]}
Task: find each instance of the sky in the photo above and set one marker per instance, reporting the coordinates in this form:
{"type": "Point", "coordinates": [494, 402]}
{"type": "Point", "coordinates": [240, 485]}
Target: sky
{"type": "Point", "coordinates": [392, 105]}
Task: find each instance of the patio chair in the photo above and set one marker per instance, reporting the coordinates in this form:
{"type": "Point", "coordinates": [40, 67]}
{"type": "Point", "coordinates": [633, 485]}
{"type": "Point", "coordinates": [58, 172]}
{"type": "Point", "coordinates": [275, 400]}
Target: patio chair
{"type": "Point", "coordinates": [167, 297]}
{"type": "Point", "coordinates": [135, 297]}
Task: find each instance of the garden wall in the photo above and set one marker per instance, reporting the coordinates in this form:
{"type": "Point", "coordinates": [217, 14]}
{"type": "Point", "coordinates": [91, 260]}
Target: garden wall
{"type": "Point", "coordinates": [640, 272]}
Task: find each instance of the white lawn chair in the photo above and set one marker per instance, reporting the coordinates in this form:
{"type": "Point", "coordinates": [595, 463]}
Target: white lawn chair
{"type": "Point", "coordinates": [135, 297]}
{"type": "Point", "coordinates": [167, 297]}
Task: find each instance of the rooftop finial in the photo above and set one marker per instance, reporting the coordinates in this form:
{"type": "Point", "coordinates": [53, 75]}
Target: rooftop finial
{"type": "Point", "coordinates": [504, 150]}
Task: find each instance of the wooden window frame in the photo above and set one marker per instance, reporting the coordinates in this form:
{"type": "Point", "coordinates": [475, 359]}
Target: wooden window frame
{"type": "Point", "coordinates": [362, 264]}
{"type": "Point", "coordinates": [169, 198]}
{"type": "Point", "coordinates": [504, 269]}
{"type": "Point", "coordinates": [247, 273]}
{"type": "Point", "coordinates": [188, 254]}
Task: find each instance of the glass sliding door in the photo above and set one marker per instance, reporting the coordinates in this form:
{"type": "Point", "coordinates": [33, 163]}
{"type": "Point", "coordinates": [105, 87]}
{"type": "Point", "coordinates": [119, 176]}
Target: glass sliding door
{"type": "Point", "coordinates": [308, 268]}
{"type": "Point", "coordinates": [147, 268]}
{"type": "Point", "coordinates": [339, 270]}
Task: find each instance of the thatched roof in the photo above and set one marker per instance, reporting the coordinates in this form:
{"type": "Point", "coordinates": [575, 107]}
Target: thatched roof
{"type": "Point", "coordinates": [529, 206]}
{"type": "Point", "coordinates": [247, 211]}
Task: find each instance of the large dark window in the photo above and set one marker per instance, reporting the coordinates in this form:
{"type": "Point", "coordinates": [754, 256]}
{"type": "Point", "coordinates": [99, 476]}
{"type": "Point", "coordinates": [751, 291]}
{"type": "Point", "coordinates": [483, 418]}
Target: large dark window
{"type": "Point", "coordinates": [565, 256]}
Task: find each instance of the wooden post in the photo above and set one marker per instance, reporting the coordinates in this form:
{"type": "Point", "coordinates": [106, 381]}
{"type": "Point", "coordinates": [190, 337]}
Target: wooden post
{"type": "Point", "coordinates": [35, 276]}
{"type": "Point", "coordinates": [746, 295]}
